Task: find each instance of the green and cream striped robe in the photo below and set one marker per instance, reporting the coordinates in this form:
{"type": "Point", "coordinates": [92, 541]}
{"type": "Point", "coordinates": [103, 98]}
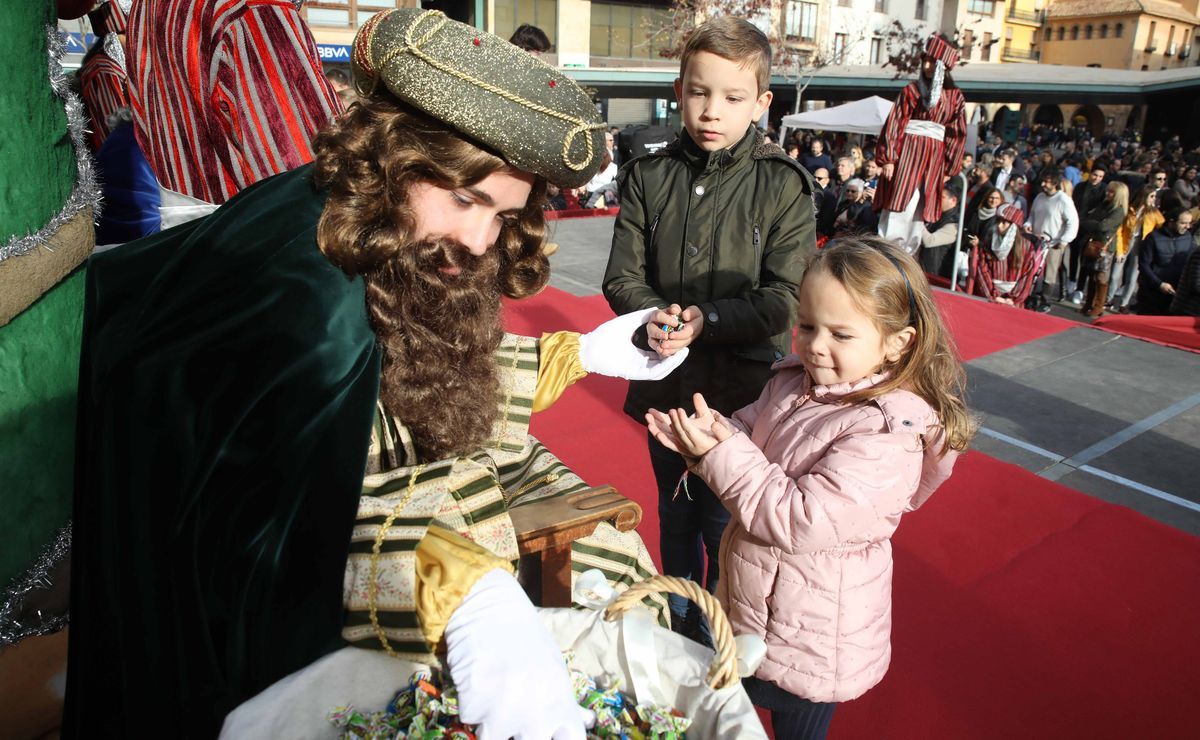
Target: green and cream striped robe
{"type": "Point", "coordinates": [470, 495]}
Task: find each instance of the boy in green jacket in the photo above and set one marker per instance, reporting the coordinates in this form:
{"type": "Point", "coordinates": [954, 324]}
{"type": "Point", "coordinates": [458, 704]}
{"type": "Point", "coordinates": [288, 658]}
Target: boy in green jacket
{"type": "Point", "coordinates": [713, 230]}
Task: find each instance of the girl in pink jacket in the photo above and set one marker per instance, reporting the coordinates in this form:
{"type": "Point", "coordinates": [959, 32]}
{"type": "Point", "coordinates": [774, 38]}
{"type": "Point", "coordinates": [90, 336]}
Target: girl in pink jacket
{"type": "Point", "coordinates": [858, 427]}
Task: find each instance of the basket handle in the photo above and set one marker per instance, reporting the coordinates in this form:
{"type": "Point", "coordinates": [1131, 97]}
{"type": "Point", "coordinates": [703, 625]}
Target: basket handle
{"type": "Point", "coordinates": [723, 671]}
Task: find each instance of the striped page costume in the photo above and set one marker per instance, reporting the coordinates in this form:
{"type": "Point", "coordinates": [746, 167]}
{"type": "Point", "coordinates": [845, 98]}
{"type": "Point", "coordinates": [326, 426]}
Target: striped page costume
{"type": "Point", "coordinates": [470, 495]}
{"type": "Point", "coordinates": [102, 85]}
{"type": "Point", "coordinates": [224, 92]}
{"type": "Point", "coordinates": [921, 161]}
{"type": "Point", "coordinates": [1011, 277]}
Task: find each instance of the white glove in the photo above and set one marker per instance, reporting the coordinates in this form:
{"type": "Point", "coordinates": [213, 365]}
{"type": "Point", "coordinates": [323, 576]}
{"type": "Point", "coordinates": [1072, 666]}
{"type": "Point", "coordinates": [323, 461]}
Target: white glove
{"type": "Point", "coordinates": [609, 350]}
{"type": "Point", "coordinates": [511, 677]}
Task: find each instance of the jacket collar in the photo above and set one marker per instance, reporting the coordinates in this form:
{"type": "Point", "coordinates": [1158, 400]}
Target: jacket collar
{"type": "Point", "coordinates": [828, 393]}
{"type": "Point", "coordinates": [836, 391]}
{"type": "Point", "coordinates": [903, 410]}
{"type": "Point", "coordinates": [700, 160]}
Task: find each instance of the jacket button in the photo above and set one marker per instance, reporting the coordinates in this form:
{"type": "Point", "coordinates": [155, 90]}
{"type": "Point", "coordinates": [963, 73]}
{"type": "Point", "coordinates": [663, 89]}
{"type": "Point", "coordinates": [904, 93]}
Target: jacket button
{"type": "Point", "coordinates": [692, 251]}
{"type": "Point", "coordinates": [699, 190]}
{"type": "Point", "coordinates": [713, 317]}
{"type": "Point", "coordinates": [906, 423]}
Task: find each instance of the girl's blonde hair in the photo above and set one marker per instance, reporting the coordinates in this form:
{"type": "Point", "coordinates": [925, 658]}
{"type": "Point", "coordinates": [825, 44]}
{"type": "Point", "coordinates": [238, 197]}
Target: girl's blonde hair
{"type": "Point", "coordinates": [1120, 193]}
{"type": "Point", "coordinates": [889, 286]}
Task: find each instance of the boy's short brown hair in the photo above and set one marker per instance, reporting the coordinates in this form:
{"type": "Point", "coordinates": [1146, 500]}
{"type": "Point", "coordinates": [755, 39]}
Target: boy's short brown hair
{"type": "Point", "coordinates": [735, 39]}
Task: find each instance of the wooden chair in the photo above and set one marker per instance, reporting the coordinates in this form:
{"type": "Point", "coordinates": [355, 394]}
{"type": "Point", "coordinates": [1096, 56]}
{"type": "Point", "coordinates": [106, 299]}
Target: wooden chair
{"type": "Point", "coordinates": [547, 527]}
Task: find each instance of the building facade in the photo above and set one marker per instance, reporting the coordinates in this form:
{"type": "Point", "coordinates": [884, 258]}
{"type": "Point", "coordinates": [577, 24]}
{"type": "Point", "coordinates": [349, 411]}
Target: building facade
{"type": "Point", "coordinates": [980, 27]}
{"type": "Point", "coordinates": [858, 29]}
{"type": "Point", "coordinates": [1022, 23]}
{"type": "Point", "coordinates": [1121, 34]}
{"type": "Point", "coordinates": [595, 36]}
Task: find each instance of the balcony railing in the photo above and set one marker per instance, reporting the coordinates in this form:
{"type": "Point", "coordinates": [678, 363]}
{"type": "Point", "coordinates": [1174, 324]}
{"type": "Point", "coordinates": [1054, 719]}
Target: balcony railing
{"type": "Point", "coordinates": [1032, 16]}
{"type": "Point", "coordinates": [1017, 54]}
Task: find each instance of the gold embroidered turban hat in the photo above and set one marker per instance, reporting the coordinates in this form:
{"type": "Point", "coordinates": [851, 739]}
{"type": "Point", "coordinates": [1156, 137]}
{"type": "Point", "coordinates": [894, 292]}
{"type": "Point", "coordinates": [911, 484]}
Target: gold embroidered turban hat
{"type": "Point", "coordinates": [536, 118]}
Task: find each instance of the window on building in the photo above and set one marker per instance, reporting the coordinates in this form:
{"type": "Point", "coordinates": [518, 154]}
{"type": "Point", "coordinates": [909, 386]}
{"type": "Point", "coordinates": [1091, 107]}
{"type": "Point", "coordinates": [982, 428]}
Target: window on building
{"type": "Point", "coordinates": [1170, 48]}
{"type": "Point", "coordinates": [1087, 31]}
{"type": "Point", "coordinates": [1119, 30]}
{"type": "Point", "coordinates": [510, 14]}
{"type": "Point", "coordinates": [981, 7]}
{"type": "Point", "coordinates": [1008, 34]}
{"type": "Point", "coordinates": [986, 50]}
{"type": "Point", "coordinates": [968, 41]}
{"type": "Point", "coordinates": [844, 3]}
{"type": "Point", "coordinates": [1103, 30]}
{"type": "Point", "coordinates": [919, 13]}
{"type": "Point", "coordinates": [876, 50]}
{"type": "Point", "coordinates": [627, 31]}
{"type": "Point", "coordinates": [1062, 32]}
{"type": "Point", "coordinates": [1048, 32]}
{"type": "Point", "coordinates": [348, 13]}
{"type": "Point", "coordinates": [839, 47]}
{"type": "Point", "coordinates": [880, 6]}
{"type": "Point", "coordinates": [801, 22]}
{"type": "Point", "coordinates": [1074, 33]}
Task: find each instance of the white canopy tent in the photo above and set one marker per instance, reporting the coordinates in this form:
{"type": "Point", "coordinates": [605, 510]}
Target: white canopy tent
{"type": "Point", "coordinates": [865, 116]}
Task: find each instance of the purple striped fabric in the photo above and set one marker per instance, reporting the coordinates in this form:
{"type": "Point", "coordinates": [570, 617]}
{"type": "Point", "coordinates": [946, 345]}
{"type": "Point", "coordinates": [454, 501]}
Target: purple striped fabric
{"type": "Point", "coordinates": [102, 84]}
{"type": "Point", "coordinates": [921, 163]}
{"type": "Point", "coordinates": [224, 92]}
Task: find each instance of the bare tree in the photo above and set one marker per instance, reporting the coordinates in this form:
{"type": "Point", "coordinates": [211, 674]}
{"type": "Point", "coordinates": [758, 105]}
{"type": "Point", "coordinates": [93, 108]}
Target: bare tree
{"type": "Point", "coordinates": [686, 15]}
{"type": "Point", "coordinates": [800, 63]}
{"type": "Point", "coordinates": [905, 47]}
{"type": "Point", "coordinates": [801, 66]}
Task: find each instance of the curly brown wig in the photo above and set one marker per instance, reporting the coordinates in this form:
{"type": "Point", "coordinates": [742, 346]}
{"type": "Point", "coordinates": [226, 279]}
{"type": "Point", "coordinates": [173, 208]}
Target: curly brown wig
{"type": "Point", "coordinates": [439, 331]}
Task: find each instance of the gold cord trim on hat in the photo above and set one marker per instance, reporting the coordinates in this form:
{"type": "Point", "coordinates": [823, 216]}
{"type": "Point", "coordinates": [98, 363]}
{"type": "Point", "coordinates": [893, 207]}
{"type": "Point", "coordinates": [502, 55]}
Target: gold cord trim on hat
{"type": "Point", "coordinates": [361, 51]}
{"type": "Point", "coordinates": [412, 46]}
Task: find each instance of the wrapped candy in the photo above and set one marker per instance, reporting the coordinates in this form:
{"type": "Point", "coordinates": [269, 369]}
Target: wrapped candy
{"type": "Point", "coordinates": [427, 709]}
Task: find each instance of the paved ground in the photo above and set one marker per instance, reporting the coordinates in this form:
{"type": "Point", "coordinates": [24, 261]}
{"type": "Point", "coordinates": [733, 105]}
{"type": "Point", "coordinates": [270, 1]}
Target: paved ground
{"type": "Point", "coordinates": [1111, 416]}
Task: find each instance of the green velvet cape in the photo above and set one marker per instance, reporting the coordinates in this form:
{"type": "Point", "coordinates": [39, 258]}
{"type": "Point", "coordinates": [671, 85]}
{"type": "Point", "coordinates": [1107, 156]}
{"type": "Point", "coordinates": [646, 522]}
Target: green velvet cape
{"type": "Point", "coordinates": [227, 390]}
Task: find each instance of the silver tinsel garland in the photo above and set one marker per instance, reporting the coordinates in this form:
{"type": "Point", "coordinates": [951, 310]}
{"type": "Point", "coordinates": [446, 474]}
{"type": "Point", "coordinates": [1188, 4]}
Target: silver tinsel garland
{"type": "Point", "coordinates": [86, 193]}
{"type": "Point", "coordinates": [18, 619]}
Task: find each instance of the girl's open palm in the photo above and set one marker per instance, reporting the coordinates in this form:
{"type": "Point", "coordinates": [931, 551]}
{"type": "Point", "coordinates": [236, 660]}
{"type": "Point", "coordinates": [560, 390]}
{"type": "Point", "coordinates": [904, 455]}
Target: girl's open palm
{"type": "Point", "coordinates": [706, 428]}
{"type": "Point", "coordinates": [660, 426]}
{"type": "Point", "coordinates": [696, 435]}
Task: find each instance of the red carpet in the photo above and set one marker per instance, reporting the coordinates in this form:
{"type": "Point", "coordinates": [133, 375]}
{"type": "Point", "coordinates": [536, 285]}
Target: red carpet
{"type": "Point", "coordinates": [1022, 608]}
{"type": "Point", "coordinates": [1026, 609]}
{"type": "Point", "coordinates": [981, 328]}
{"type": "Point", "coordinates": [581, 212]}
{"type": "Point", "coordinates": [1181, 332]}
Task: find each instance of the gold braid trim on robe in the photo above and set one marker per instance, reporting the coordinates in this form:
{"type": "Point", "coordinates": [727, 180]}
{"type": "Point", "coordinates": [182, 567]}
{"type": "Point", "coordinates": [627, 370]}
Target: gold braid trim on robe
{"type": "Point", "coordinates": [467, 498]}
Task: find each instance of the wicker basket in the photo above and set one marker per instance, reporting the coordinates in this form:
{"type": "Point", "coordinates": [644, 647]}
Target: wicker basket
{"type": "Point", "coordinates": [720, 710]}
{"type": "Point", "coordinates": [723, 671]}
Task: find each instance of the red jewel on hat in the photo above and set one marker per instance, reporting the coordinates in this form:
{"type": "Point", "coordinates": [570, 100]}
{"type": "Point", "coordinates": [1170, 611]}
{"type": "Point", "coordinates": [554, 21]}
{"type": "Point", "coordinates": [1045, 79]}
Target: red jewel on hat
{"type": "Point", "coordinates": [553, 83]}
{"type": "Point", "coordinates": [476, 41]}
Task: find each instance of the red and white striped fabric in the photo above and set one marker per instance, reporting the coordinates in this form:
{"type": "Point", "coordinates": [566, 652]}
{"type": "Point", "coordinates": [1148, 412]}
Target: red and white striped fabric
{"type": "Point", "coordinates": [921, 162]}
{"type": "Point", "coordinates": [1011, 277]}
{"type": "Point", "coordinates": [224, 92]}
{"type": "Point", "coordinates": [102, 85]}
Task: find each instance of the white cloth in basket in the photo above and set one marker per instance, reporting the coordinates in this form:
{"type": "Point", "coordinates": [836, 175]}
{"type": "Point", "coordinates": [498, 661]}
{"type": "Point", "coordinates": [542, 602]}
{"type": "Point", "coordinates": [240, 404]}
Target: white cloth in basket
{"type": "Point", "coordinates": [296, 707]}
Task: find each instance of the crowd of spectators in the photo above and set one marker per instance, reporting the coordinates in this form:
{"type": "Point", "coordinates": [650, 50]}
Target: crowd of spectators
{"type": "Point", "coordinates": [1135, 202]}
{"type": "Point", "coordinates": [1105, 224]}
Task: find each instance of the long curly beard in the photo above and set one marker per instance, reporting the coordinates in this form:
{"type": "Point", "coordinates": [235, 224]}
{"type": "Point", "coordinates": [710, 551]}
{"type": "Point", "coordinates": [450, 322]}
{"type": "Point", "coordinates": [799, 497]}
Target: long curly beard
{"type": "Point", "coordinates": [436, 311]}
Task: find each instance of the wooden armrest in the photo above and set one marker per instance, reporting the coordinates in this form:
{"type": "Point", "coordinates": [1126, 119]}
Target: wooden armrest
{"type": "Point", "coordinates": [560, 520]}
{"type": "Point", "coordinates": [547, 527]}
